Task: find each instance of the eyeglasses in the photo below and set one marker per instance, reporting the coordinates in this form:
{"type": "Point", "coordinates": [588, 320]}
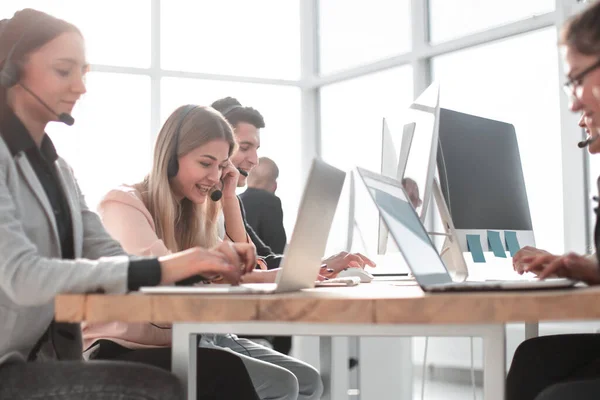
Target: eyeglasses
{"type": "Point", "coordinates": [577, 81]}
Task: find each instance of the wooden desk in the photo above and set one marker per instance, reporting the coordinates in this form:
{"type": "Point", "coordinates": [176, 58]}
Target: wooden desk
{"type": "Point", "coordinates": [376, 309]}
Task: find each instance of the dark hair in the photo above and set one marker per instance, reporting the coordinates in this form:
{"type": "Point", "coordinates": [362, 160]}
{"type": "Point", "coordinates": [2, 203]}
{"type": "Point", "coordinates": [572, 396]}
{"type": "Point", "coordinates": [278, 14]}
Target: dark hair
{"type": "Point", "coordinates": [582, 31]}
{"type": "Point", "coordinates": [31, 29]}
{"type": "Point", "coordinates": [235, 115]}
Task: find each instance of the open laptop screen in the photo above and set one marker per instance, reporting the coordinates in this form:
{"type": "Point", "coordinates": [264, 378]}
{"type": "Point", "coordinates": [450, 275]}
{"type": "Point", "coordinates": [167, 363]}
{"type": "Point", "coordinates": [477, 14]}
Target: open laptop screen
{"type": "Point", "coordinates": [406, 229]}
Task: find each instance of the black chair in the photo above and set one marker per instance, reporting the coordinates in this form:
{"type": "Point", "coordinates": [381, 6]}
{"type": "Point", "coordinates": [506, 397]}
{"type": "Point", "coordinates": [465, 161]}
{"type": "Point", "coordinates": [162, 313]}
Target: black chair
{"type": "Point", "coordinates": [575, 390]}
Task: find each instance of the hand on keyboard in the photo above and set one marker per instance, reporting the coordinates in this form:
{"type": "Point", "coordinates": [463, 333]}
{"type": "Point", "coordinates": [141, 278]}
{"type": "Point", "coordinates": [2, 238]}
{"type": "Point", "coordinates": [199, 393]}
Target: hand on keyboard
{"type": "Point", "coordinates": [345, 281]}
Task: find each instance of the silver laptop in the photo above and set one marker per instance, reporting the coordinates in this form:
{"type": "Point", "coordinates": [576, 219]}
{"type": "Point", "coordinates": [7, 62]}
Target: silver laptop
{"type": "Point", "coordinates": [302, 258]}
{"type": "Point", "coordinates": [420, 254]}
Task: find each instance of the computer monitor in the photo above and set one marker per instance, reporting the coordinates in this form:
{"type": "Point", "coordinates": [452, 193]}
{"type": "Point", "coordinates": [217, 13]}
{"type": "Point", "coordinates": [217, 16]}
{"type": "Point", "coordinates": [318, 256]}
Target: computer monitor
{"type": "Point", "coordinates": [420, 164]}
{"type": "Point", "coordinates": [481, 177]}
{"type": "Point", "coordinates": [407, 137]}
{"type": "Point", "coordinates": [395, 155]}
{"type": "Point", "coordinates": [389, 156]}
{"type": "Point", "coordinates": [393, 166]}
{"type": "Point", "coordinates": [417, 155]}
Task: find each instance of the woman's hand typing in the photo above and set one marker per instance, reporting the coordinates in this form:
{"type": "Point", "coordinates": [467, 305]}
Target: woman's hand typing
{"type": "Point", "coordinates": [230, 260]}
{"type": "Point", "coordinates": [572, 266]}
{"type": "Point", "coordinates": [526, 252]}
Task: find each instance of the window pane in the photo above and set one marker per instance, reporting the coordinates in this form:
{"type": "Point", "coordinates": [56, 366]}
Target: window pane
{"type": "Point", "coordinates": [507, 81]}
{"type": "Point", "coordinates": [280, 139]}
{"type": "Point", "coordinates": [113, 38]}
{"type": "Point", "coordinates": [351, 120]}
{"type": "Point", "coordinates": [110, 143]}
{"type": "Point", "coordinates": [251, 38]}
{"type": "Point", "coordinates": [456, 18]}
{"type": "Point", "coordinates": [352, 33]}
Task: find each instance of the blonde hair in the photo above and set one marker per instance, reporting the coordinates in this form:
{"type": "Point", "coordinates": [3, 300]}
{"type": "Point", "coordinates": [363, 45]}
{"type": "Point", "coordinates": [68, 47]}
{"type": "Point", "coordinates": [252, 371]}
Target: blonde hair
{"type": "Point", "coordinates": [183, 225]}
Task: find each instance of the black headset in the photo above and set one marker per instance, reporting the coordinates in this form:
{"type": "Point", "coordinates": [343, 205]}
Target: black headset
{"type": "Point", "coordinates": [230, 109]}
{"type": "Point", "coordinates": [10, 74]}
{"type": "Point", "coordinates": [3, 25]}
{"type": "Point", "coordinates": [173, 165]}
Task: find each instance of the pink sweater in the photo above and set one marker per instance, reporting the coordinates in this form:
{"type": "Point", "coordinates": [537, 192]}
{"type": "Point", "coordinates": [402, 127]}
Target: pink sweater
{"type": "Point", "coordinates": [128, 220]}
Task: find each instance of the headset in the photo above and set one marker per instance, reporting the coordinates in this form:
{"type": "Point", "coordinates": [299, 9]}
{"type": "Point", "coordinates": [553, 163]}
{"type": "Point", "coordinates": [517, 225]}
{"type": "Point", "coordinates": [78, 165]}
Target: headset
{"type": "Point", "coordinates": [11, 74]}
{"type": "Point", "coordinates": [230, 109]}
{"type": "Point", "coordinates": [173, 165]}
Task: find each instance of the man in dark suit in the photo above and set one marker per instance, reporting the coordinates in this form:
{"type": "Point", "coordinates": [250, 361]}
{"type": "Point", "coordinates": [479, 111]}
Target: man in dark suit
{"type": "Point", "coordinates": [265, 215]}
{"type": "Point", "coordinates": [263, 207]}
{"type": "Point", "coordinates": [247, 123]}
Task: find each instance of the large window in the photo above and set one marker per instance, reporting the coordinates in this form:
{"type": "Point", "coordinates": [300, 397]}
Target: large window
{"type": "Point", "coordinates": [357, 32]}
{"type": "Point", "coordinates": [112, 140]}
{"type": "Point", "coordinates": [351, 121]}
{"type": "Point", "coordinates": [110, 143]}
{"type": "Point", "coordinates": [252, 38]}
{"type": "Point", "coordinates": [456, 18]}
{"type": "Point", "coordinates": [280, 139]}
{"type": "Point", "coordinates": [116, 32]}
{"type": "Point", "coordinates": [516, 81]}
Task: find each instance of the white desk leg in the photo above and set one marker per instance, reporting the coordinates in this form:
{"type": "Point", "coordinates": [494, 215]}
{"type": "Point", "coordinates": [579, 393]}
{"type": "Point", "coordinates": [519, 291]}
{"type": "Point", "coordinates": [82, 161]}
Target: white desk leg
{"type": "Point", "coordinates": [183, 356]}
{"type": "Point", "coordinates": [306, 348]}
{"type": "Point", "coordinates": [390, 354]}
{"type": "Point", "coordinates": [532, 330]}
{"type": "Point", "coordinates": [494, 363]}
{"type": "Point", "coordinates": [334, 367]}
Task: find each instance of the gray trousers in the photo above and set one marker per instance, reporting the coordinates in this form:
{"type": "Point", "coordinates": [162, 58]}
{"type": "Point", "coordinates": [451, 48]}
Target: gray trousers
{"type": "Point", "coordinates": [275, 376]}
{"type": "Point", "coordinates": [93, 380]}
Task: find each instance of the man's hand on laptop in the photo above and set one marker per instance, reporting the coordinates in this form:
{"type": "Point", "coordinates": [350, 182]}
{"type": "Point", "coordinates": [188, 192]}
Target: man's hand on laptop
{"type": "Point", "coordinates": [572, 266]}
{"type": "Point", "coordinates": [261, 276]}
{"type": "Point", "coordinates": [339, 262]}
{"type": "Point", "coordinates": [526, 252]}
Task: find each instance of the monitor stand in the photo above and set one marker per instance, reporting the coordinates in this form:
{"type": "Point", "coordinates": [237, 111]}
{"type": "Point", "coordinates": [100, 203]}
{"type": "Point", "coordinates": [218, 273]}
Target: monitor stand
{"type": "Point", "coordinates": [451, 252]}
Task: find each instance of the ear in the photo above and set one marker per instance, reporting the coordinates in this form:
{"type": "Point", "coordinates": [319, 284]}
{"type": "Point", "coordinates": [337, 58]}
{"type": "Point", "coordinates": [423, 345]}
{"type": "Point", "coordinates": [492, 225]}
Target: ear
{"type": "Point", "coordinates": [274, 186]}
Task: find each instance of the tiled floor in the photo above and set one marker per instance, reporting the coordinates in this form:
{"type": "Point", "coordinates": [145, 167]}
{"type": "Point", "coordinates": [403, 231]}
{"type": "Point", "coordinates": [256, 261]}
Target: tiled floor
{"type": "Point", "coordinates": [436, 390]}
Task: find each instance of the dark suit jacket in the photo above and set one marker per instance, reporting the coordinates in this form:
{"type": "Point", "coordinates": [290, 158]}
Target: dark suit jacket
{"type": "Point", "coordinates": [264, 216]}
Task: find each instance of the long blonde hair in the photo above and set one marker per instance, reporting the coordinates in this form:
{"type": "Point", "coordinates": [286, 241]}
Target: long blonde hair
{"type": "Point", "coordinates": [183, 225]}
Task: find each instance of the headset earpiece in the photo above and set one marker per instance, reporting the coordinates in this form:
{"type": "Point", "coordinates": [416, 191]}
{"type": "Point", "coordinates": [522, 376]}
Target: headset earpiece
{"type": "Point", "coordinates": [10, 74]}
{"type": "Point", "coordinates": [230, 109]}
{"type": "Point", "coordinates": [173, 165]}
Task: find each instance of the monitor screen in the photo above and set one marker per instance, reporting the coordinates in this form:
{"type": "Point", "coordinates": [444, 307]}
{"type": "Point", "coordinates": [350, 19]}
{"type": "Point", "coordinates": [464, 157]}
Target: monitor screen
{"type": "Point", "coordinates": [480, 171]}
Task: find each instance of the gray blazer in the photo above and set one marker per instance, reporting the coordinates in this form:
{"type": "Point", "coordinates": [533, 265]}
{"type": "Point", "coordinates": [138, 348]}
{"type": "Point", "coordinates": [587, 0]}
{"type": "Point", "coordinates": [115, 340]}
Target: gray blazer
{"type": "Point", "coordinates": [31, 270]}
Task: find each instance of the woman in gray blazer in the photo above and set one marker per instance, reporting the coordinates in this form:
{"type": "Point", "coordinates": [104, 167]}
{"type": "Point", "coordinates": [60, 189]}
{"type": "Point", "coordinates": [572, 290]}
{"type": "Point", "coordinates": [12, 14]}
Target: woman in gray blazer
{"type": "Point", "coordinates": [50, 242]}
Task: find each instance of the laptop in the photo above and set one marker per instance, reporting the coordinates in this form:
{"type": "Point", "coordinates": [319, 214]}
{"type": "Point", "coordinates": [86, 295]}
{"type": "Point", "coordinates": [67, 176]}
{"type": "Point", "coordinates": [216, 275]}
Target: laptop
{"type": "Point", "coordinates": [302, 258]}
{"type": "Point", "coordinates": [420, 254]}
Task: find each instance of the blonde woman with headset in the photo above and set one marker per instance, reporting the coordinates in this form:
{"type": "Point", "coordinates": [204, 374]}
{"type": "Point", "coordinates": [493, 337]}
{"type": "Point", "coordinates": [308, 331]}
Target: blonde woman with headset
{"type": "Point", "coordinates": [172, 210]}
